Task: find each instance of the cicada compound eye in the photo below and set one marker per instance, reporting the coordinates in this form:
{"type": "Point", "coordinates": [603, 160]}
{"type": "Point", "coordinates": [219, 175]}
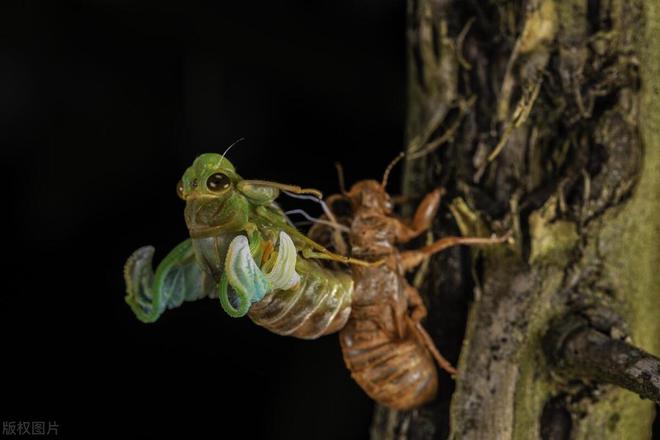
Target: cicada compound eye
{"type": "Point", "coordinates": [179, 190]}
{"type": "Point", "coordinates": [218, 182]}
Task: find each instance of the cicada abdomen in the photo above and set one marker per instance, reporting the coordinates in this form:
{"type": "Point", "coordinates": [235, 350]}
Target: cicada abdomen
{"type": "Point", "coordinates": [380, 345]}
{"type": "Point", "coordinates": [319, 305]}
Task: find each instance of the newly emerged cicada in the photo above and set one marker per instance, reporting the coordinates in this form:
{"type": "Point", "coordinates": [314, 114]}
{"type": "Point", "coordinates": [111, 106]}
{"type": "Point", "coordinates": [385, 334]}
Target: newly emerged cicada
{"type": "Point", "coordinates": [243, 249]}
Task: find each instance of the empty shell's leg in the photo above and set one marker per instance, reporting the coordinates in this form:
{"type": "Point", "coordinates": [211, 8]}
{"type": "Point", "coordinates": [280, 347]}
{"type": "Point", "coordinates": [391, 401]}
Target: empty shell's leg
{"type": "Point", "coordinates": [418, 312]}
{"type": "Point", "coordinates": [423, 217]}
{"type": "Point", "coordinates": [411, 259]}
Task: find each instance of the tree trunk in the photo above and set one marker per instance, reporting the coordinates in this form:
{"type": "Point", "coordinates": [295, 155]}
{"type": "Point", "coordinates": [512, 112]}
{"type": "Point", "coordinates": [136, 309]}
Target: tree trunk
{"type": "Point", "coordinates": [541, 117]}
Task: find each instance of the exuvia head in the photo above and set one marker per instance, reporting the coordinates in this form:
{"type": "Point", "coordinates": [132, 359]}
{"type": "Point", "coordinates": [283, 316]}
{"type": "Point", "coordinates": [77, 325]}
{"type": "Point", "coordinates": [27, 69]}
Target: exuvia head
{"type": "Point", "coordinates": [370, 193]}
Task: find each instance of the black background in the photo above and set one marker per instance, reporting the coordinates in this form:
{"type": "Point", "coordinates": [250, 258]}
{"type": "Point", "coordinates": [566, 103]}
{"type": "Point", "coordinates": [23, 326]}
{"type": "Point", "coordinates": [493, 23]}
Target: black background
{"type": "Point", "coordinates": [103, 104]}
{"type": "Point", "coordinates": [102, 107]}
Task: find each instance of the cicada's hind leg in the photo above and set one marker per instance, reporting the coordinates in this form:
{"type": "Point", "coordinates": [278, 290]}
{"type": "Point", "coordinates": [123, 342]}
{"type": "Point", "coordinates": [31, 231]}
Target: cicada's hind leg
{"type": "Point", "coordinates": [417, 313]}
{"type": "Point", "coordinates": [411, 259]}
{"type": "Point", "coordinates": [177, 278]}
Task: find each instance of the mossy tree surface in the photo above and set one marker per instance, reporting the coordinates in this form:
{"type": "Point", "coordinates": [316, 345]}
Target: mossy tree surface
{"type": "Point", "coordinates": [541, 117]}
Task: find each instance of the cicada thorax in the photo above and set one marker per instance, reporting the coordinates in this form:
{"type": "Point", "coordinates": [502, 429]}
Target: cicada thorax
{"type": "Point", "coordinates": [380, 349]}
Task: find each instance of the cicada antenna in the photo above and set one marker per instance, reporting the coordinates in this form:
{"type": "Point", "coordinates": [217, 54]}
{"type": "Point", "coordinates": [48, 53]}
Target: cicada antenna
{"type": "Point", "coordinates": [229, 148]}
{"type": "Point", "coordinates": [340, 177]}
{"type": "Point", "coordinates": [386, 175]}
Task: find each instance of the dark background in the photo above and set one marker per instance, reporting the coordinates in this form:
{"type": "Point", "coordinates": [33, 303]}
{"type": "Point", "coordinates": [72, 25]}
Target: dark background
{"type": "Point", "coordinates": [102, 107]}
{"type": "Point", "coordinates": [103, 104]}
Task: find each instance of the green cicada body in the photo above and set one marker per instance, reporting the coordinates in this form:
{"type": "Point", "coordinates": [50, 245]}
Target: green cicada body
{"type": "Point", "coordinates": [244, 251]}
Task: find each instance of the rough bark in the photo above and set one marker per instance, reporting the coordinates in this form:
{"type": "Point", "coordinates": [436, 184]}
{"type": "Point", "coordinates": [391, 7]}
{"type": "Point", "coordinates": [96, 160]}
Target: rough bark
{"type": "Point", "coordinates": [578, 349]}
{"type": "Point", "coordinates": [543, 117]}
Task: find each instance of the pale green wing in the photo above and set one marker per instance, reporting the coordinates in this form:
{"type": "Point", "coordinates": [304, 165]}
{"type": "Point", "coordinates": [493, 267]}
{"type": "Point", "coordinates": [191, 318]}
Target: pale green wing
{"type": "Point", "coordinates": [248, 283]}
{"type": "Point", "coordinates": [244, 283]}
{"type": "Point", "coordinates": [178, 278]}
{"type": "Point", "coordinates": [283, 274]}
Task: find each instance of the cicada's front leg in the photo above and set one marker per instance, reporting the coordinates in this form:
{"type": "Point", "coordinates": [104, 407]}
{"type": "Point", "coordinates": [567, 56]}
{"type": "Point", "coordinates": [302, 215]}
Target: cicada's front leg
{"type": "Point", "coordinates": [178, 278]}
{"type": "Point", "coordinates": [423, 217]}
{"type": "Point", "coordinates": [412, 258]}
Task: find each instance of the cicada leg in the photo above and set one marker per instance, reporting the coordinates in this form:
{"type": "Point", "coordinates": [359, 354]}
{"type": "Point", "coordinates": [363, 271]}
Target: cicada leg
{"type": "Point", "coordinates": [331, 256]}
{"type": "Point", "coordinates": [423, 217]}
{"type": "Point", "coordinates": [411, 259]}
{"type": "Point", "coordinates": [418, 313]}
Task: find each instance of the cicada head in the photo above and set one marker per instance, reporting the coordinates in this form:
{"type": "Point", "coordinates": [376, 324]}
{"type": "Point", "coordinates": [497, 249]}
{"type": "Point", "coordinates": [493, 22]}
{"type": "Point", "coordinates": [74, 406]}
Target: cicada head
{"type": "Point", "coordinates": [370, 194]}
{"type": "Point", "coordinates": [213, 203]}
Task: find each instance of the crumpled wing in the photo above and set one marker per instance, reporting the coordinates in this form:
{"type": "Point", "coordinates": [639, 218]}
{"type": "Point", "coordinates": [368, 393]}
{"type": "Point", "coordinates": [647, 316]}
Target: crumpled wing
{"type": "Point", "coordinates": [244, 283]}
{"type": "Point", "coordinates": [178, 278]}
{"type": "Point", "coordinates": [243, 273]}
{"type": "Point", "coordinates": [283, 275]}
